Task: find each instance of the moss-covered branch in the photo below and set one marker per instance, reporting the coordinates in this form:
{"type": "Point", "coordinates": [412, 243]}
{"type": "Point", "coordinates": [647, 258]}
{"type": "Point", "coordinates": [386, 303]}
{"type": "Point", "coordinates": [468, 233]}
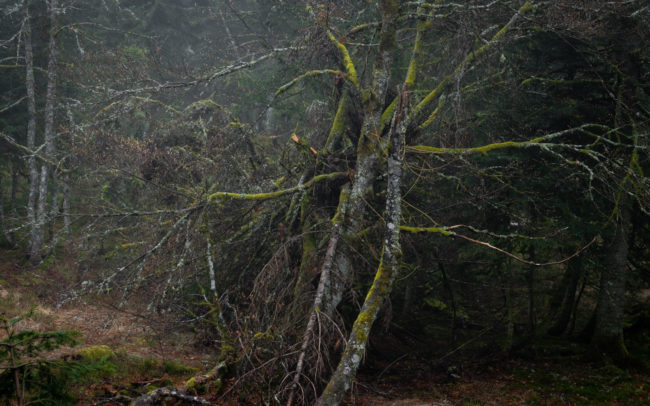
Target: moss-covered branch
{"type": "Point", "coordinates": [278, 193]}
{"type": "Point", "coordinates": [306, 75]}
{"type": "Point", "coordinates": [542, 141]}
{"type": "Point", "coordinates": [336, 139]}
{"type": "Point", "coordinates": [347, 60]}
{"type": "Point", "coordinates": [411, 73]}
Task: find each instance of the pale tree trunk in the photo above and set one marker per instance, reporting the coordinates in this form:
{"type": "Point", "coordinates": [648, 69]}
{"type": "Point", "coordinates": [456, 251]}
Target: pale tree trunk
{"type": "Point", "coordinates": [311, 324]}
{"type": "Point", "coordinates": [381, 287]}
{"type": "Point", "coordinates": [55, 194]}
{"type": "Point", "coordinates": [41, 215]}
{"type": "Point", "coordinates": [66, 204]}
{"type": "Point", "coordinates": [31, 139]}
{"type": "Point", "coordinates": [608, 333]}
{"type": "Point", "coordinates": [12, 199]}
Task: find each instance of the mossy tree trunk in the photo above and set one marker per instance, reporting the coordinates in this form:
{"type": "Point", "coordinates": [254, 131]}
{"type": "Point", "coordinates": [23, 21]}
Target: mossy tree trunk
{"type": "Point", "coordinates": [370, 147]}
{"type": "Point", "coordinates": [380, 289]}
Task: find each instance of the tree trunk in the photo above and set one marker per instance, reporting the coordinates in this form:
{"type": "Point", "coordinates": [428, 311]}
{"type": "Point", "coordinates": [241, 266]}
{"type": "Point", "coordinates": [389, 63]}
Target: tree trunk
{"type": "Point", "coordinates": [369, 148]}
{"type": "Point", "coordinates": [381, 287]}
{"type": "Point", "coordinates": [35, 256]}
{"type": "Point", "coordinates": [608, 330]}
{"type": "Point", "coordinates": [530, 279]}
{"type": "Point", "coordinates": [12, 198]}
{"type": "Point", "coordinates": [41, 215]}
{"type": "Point", "coordinates": [66, 205]}
{"type": "Point", "coordinates": [568, 297]}
{"type": "Point", "coordinates": [3, 223]}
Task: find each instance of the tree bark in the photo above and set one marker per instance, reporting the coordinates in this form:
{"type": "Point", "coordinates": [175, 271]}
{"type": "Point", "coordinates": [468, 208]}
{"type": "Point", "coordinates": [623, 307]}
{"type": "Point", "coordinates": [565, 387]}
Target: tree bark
{"type": "Point", "coordinates": [67, 222]}
{"type": "Point", "coordinates": [608, 330]}
{"type": "Point", "coordinates": [3, 223]}
{"type": "Point", "coordinates": [31, 140]}
{"type": "Point", "coordinates": [41, 215]}
{"type": "Point", "coordinates": [369, 148]}
{"type": "Point", "coordinates": [318, 301]}
{"type": "Point", "coordinates": [381, 287]}
{"type": "Point", "coordinates": [568, 297]}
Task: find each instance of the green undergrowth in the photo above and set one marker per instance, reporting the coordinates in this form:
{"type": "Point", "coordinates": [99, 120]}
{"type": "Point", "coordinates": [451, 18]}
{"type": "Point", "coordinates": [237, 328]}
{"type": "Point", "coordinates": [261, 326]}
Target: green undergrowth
{"type": "Point", "coordinates": [134, 376]}
{"type": "Point", "coordinates": [30, 374]}
{"type": "Point", "coordinates": [49, 372]}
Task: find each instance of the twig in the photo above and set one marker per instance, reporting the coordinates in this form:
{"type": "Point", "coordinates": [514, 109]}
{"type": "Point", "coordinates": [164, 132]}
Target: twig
{"type": "Point", "coordinates": [446, 231]}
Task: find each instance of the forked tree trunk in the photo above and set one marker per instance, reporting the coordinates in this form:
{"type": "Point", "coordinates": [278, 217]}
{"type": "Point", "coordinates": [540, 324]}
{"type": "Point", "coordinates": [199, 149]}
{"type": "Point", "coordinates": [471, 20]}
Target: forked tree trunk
{"type": "Point", "coordinates": [381, 287]}
{"type": "Point", "coordinates": [369, 148]}
{"type": "Point", "coordinates": [376, 132]}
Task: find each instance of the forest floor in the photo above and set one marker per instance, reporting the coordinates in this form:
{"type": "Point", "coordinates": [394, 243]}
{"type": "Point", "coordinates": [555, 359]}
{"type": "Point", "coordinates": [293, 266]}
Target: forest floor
{"type": "Point", "coordinates": [151, 353]}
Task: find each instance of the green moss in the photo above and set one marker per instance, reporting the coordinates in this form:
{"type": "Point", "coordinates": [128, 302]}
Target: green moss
{"type": "Point", "coordinates": [432, 117]}
{"type": "Point", "coordinates": [387, 115]}
{"type": "Point", "coordinates": [174, 368]}
{"type": "Point", "coordinates": [482, 149]}
{"type": "Point", "coordinates": [361, 327]}
{"type": "Point", "coordinates": [335, 137]}
{"type": "Point", "coordinates": [526, 7]}
{"type": "Point", "coordinates": [191, 385]}
{"type": "Point", "coordinates": [344, 196]}
{"type": "Point", "coordinates": [272, 195]}
{"type": "Point", "coordinates": [228, 352]}
{"type": "Point", "coordinates": [280, 181]}
{"type": "Point", "coordinates": [347, 61]}
{"type": "Point", "coordinates": [417, 51]}
{"type": "Point", "coordinates": [439, 230]}
{"type": "Point", "coordinates": [96, 352]}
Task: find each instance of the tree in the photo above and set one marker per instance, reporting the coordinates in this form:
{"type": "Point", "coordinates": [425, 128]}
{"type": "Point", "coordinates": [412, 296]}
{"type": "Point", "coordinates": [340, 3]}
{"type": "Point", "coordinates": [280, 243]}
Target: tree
{"type": "Point", "coordinates": [501, 132]}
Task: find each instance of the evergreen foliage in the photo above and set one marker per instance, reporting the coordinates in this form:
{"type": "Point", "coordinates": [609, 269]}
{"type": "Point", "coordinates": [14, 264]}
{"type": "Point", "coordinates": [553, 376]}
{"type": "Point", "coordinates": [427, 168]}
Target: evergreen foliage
{"type": "Point", "coordinates": [29, 376]}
